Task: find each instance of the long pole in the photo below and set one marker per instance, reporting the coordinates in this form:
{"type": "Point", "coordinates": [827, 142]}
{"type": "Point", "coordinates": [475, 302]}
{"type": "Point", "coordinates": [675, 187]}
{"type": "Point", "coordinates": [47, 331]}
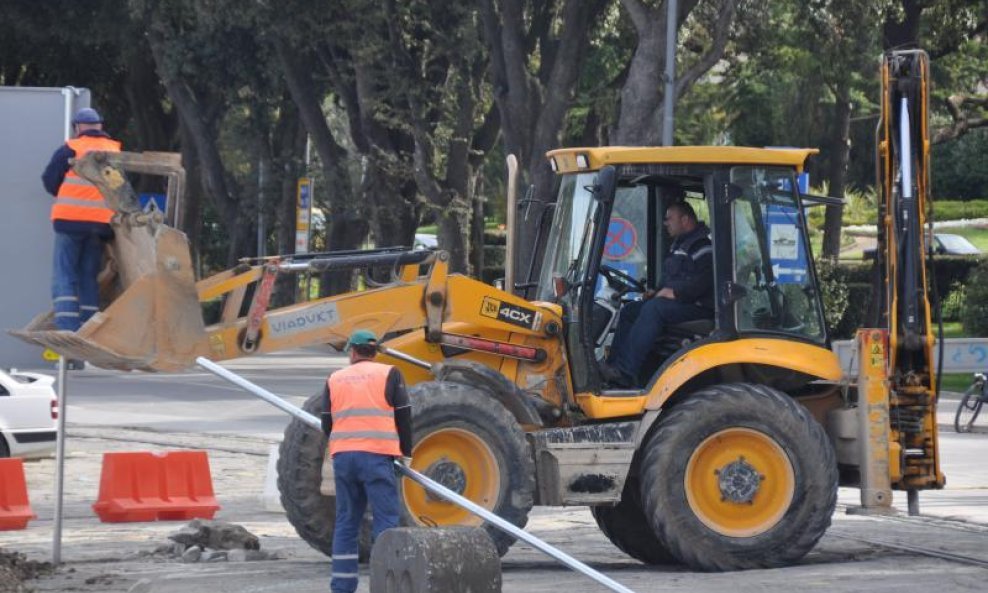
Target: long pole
{"type": "Point", "coordinates": [510, 211]}
{"type": "Point", "coordinates": [56, 544]}
{"type": "Point", "coordinates": [428, 484]}
{"type": "Point", "coordinates": [669, 97]}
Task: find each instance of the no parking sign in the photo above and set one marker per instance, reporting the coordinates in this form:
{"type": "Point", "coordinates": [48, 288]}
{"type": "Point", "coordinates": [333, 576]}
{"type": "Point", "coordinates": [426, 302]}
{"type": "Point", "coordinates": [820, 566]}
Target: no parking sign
{"type": "Point", "coordinates": [622, 238]}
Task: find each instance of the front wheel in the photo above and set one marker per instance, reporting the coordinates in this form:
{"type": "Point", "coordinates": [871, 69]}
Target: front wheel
{"type": "Point", "coordinates": [738, 476]}
{"type": "Point", "coordinates": [969, 408]}
{"type": "Point", "coordinates": [300, 460]}
{"type": "Point", "coordinates": [471, 444]}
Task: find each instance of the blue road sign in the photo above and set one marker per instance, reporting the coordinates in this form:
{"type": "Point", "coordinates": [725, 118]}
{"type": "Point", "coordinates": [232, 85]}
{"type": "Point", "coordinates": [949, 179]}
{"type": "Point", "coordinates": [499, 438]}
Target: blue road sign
{"type": "Point", "coordinates": [160, 201]}
{"type": "Point", "coordinates": [787, 254]}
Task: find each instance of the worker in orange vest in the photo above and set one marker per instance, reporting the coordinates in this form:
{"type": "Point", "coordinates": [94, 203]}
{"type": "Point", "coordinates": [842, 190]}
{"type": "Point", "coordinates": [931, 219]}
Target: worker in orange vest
{"type": "Point", "coordinates": [81, 221]}
{"type": "Point", "coordinates": [369, 425]}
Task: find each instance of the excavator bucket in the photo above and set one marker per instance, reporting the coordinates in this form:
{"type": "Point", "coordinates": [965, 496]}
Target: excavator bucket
{"type": "Point", "coordinates": [151, 318]}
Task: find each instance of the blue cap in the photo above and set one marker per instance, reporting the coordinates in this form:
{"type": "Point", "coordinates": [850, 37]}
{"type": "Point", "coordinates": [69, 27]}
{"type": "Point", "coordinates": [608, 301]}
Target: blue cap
{"type": "Point", "coordinates": [87, 115]}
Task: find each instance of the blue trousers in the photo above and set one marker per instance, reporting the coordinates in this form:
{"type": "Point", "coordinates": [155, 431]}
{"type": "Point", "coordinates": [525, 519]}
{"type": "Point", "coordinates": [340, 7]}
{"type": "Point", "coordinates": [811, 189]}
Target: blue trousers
{"type": "Point", "coordinates": [641, 323]}
{"type": "Point", "coordinates": [75, 267]}
{"type": "Point", "coordinates": [360, 478]}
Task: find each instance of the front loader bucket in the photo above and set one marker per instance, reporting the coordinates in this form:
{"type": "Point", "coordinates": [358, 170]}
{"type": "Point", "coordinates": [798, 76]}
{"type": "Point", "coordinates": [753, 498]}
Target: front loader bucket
{"type": "Point", "coordinates": [153, 320]}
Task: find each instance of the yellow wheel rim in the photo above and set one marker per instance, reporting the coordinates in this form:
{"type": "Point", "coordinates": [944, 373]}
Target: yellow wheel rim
{"type": "Point", "coordinates": [461, 461]}
{"type": "Point", "coordinates": [739, 482]}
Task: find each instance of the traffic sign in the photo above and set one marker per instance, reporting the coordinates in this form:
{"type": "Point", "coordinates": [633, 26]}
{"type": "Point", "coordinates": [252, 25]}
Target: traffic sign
{"type": "Point", "coordinates": [622, 238]}
{"type": "Point", "coordinates": [160, 201]}
{"type": "Point", "coordinates": [303, 215]}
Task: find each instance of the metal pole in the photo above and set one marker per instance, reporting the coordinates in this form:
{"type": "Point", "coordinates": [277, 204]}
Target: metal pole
{"type": "Point", "coordinates": [425, 482]}
{"type": "Point", "coordinates": [406, 357]}
{"type": "Point", "coordinates": [261, 251]}
{"type": "Point", "coordinates": [669, 97]}
{"type": "Point", "coordinates": [56, 544]}
{"type": "Point", "coordinates": [510, 211]}
{"type": "Point", "coordinates": [260, 392]}
{"type": "Point", "coordinates": [512, 529]}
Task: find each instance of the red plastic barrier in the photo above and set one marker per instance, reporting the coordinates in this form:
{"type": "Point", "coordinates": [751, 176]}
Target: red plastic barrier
{"type": "Point", "coordinates": [15, 509]}
{"type": "Point", "coordinates": [146, 486]}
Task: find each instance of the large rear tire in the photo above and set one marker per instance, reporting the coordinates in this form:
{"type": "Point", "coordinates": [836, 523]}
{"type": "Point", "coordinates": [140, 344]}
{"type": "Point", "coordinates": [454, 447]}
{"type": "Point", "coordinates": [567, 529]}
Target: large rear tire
{"type": "Point", "coordinates": [300, 458]}
{"type": "Point", "coordinates": [738, 476]}
{"type": "Point", "coordinates": [628, 529]}
{"type": "Point", "coordinates": [470, 443]}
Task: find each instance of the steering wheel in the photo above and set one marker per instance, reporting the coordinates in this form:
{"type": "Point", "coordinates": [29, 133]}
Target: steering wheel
{"type": "Point", "coordinates": [621, 280]}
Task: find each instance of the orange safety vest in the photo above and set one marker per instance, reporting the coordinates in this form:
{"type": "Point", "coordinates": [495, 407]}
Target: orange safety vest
{"type": "Point", "coordinates": [363, 420]}
{"type": "Point", "coordinates": [78, 199]}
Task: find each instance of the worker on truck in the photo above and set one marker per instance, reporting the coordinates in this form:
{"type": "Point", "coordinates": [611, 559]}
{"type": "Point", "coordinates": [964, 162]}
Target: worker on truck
{"type": "Point", "coordinates": [81, 222]}
{"type": "Point", "coordinates": [685, 294]}
{"type": "Point", "coordinates": [369, 425]}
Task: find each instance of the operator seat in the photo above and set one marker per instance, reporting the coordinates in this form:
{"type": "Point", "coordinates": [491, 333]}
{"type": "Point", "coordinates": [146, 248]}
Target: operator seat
{"type": "Point", "coordinates": [674, 338]}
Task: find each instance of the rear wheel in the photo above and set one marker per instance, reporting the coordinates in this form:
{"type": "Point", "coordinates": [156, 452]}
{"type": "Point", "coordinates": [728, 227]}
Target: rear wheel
{"type": "Point", "coordinates": [471, 444]}
{"type": "Point", "coordinates": [628, 529]}
{"type": "Point", "coordinates": [968, 409]}
{"type": "Point", "coordinates": [738, 476]}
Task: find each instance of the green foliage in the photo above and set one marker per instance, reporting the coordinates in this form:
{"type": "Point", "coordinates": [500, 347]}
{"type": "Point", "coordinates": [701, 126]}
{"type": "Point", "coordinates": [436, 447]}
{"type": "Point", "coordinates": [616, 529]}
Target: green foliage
{"type": "Point", "coordinates": [953, 303]}
{"type": "Point", "coordinates": [860, 206]}
{"type": "Point", "coordinates": [833, 291]}
{"type": "Point", "coordinates": [961, 167]}
{"type": "Point", "coordinates": [974, 314]}
{"type": "Point", "coordinates": [957, 210]}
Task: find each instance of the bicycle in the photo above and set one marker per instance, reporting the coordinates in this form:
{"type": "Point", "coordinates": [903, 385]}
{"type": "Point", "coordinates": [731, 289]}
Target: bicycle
{"type": "Point", "coordinates": [970, 406]}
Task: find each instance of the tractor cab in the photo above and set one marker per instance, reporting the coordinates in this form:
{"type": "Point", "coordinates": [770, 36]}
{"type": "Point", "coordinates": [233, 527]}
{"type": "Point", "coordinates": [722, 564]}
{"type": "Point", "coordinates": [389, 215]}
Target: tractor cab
{"type": "Point", "coordinates": [607, 245]}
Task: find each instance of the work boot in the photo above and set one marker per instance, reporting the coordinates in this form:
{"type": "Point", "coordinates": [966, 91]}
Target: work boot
{"type": "Point", "coordinates": [615, 376]}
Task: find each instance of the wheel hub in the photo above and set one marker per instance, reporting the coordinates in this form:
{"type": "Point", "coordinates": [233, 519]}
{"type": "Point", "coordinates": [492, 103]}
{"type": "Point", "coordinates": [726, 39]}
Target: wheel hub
{"type": "Point", "coordinates": [739, 482]}
{"type": "Point", "coordinates": [449, 474]}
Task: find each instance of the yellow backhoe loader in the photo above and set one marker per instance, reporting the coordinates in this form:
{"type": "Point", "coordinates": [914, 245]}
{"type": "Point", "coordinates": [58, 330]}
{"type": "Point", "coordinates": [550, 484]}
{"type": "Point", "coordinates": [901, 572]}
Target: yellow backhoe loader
{"type": "Point", "coordinates": [729, 453]}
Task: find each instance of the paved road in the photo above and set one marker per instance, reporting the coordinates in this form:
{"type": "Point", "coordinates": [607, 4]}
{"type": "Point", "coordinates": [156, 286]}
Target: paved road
{"type": "Point", "coordinates": [200, 411]}
{"type": "Point", "coordinates": [198, 401]}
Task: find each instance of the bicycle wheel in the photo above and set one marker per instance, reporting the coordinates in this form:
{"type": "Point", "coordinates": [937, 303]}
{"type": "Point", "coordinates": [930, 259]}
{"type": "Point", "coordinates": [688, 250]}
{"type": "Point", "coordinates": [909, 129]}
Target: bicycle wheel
{"type": "Point", "coordinates": [968, 409]}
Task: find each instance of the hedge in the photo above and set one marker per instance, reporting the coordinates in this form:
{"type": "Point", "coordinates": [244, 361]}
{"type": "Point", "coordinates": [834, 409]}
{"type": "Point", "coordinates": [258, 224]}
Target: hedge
{"type": "Point", "coordinates": [950, 271]}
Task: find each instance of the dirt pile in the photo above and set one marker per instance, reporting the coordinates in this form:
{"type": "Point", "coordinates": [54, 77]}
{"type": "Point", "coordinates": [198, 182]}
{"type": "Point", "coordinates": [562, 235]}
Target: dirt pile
{"type": "Point", "coordinates": [16, 568]}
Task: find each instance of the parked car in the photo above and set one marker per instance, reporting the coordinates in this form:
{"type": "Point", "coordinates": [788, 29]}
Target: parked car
{"type": "Point", "coordinates": [948, 244]}
{"type": "Point", "coordinates": [943, 244]}
{"type": "Point", "coordinates": [425, 241]}
{"type": "Point", "coordinates": [28, 411]}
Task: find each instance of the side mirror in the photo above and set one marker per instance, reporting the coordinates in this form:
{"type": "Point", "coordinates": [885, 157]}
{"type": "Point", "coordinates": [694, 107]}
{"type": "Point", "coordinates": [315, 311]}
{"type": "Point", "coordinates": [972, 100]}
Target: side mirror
{"type": "Point", "coordinates": [499, 283]}
{"type": "Point", "coordinates": [606, 184]}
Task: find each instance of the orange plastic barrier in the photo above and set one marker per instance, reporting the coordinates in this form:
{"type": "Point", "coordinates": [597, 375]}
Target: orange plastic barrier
{"type": "Point", "coordinates": [15, 510]}
{"type": "Point", "coordinates": [146, 486]}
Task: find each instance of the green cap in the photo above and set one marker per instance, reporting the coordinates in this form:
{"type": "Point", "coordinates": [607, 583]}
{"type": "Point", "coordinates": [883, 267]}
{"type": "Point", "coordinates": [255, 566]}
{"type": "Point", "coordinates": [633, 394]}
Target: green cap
{"type": "Point", "coordinates": [360, 338]}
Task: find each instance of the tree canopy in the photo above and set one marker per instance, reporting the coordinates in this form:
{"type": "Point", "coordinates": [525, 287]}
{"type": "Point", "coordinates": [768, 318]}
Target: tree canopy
{"type": "Point", "coordinates": [410, 106]}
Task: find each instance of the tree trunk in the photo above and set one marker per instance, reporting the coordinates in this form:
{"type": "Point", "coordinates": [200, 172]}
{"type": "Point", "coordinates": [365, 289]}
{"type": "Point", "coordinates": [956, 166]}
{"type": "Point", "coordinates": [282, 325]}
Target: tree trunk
{"type": "Point", "coordinates": [190, 209]}
{"type": "Point", "coordinates": [214, 178]}
{"type": "Point", "coordinates": [840, 149]}
{"type": "Point", "coordinates": [532, 106]}
{"type": "Point", "coordinates": [904, 33]}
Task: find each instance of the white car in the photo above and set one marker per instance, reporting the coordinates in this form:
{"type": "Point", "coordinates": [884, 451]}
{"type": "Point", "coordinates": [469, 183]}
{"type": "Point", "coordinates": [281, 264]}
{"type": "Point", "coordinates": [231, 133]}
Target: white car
{"type": "Point", "coordinates": [28, 411]}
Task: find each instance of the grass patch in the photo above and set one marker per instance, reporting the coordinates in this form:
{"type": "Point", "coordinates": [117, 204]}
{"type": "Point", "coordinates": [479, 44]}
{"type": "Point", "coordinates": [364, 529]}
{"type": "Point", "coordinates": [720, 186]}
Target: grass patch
{"type": "Point", "coordinates": [958, 382]}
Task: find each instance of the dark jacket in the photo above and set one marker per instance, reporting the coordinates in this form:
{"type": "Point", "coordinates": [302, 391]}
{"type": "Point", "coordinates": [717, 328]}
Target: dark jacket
{"type": "Point", "coordinates": [397, 397]}
{"type": "Point", "coordinates": [689, 268]}
{"type": "Point", "coordinates": [52, 179]}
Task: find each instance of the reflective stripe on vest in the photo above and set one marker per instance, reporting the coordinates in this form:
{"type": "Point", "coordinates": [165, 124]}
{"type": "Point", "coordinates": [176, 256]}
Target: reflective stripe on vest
{"type": "Point", "coordinates": [78, 199]}
{"type": "Point", "coordinates": [363, 420]}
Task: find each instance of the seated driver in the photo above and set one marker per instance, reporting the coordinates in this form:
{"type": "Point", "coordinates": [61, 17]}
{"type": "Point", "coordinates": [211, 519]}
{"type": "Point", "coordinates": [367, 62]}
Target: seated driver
{"type": "Point", "coordinates": [685, 294]}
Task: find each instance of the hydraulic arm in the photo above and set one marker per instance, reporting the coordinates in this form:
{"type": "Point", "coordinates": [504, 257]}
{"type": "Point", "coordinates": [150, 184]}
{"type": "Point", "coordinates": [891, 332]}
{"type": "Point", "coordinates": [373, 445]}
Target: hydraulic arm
{"type": "Point", "coordinates": [903, 177]}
